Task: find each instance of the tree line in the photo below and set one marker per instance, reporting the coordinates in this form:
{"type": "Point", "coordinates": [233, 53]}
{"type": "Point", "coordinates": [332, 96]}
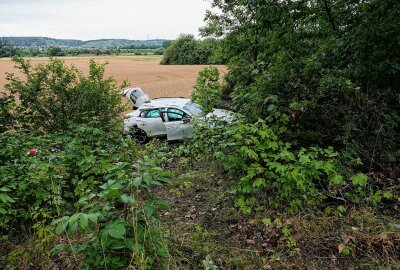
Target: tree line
{"type": "Point", "coordinates": [186, 50]}
{"type": "Point", "coordinates": [7, 49]}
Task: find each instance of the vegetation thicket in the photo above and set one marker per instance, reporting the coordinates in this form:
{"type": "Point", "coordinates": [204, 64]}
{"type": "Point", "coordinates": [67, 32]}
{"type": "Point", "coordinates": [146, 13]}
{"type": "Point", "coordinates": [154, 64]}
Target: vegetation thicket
{"type": "Point", "coordinates": [306, 176]}
{"type": "Point", "coordinates": [69, 181]}
{"type": "Point", "coordinates": [331, 66]}
{"type": "Point", "coordinates": [6, 48]}
{"type": "Point", "coordinates": [186, 50]}
{"type": "Point", "coordinates": [316, 83]}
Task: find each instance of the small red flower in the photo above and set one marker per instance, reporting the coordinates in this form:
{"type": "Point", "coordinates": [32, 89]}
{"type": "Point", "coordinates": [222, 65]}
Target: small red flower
{"type": "Point", "coordinates": [32, 152]}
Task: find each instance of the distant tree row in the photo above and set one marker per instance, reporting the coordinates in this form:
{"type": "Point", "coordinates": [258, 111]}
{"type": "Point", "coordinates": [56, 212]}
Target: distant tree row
{"type": "Point", "coordinates": [186, 50]}
{"type": "Point", "coordinates": [8, 50]}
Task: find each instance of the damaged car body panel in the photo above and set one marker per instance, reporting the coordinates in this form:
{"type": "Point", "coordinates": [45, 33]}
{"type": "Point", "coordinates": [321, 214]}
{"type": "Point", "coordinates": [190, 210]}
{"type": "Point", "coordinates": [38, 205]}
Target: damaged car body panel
{"type": "Point", "coordinates": [168, 117]}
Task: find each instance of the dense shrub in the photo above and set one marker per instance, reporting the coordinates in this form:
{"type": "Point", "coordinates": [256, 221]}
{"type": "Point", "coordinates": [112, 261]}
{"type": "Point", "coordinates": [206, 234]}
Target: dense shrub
{"type": "Point", "coordinates": [53, 95]}
{"type": "Point", "coordinates": [208, 91]}
{"type": "Point", "coordinates": [86, 178]}
{"type": "Point", "coordinates": [6, 48]}
{"type": "Point", "coordinates": [7, 104]}
{"type": "Point", "coordinates": [332, 66]}
{"type": "Point", "coordinates": [186, 50]}
{"type": "Point", "coordinates": [270, 172]}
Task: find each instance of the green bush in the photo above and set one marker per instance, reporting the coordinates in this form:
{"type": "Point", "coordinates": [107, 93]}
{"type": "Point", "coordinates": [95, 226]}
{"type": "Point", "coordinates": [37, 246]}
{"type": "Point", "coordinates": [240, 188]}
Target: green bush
{"type": "Point", "coordinates": [208, 91]}
{"type": "Point", "coordinates": [55, 51]}
{"type": "Point", "coordinates": [186, 50]}
{"type": "Point", "coordinates": [269, 172]}
{"type": "Point", "coordinates": [53, 95]}
{"type": "Point", "coordinates": [65, 166]}
{"type": "Point", "coordinates": [85, 177]}
{"type": "Point", "coordinates": [6, 48]}
{"type": "Point", "coordinates": [7, 104]}
{"type": "Point", "coordinates": [333, 66]}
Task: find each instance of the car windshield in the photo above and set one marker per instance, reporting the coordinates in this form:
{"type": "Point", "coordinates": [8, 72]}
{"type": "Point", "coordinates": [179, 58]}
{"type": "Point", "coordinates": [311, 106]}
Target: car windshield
{"type": "Point", "coordinates": [193, 108]}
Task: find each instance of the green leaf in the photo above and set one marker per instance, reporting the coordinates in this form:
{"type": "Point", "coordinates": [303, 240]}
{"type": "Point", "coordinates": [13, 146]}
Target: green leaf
{"type": "Point", "coordinates": [127, 199]}
{"type": "Point", "coordinates": [2, 211]}
{"type": "Point", "coordinates": [147, 178]}
{"type": "Point", "coordinates": [148, 211]}
{"type": "Point", "coordinates": [286, 231]}
{"type": "Point", "coordinates": [259, 182]}
{"type": "Point", "coordinates": [267, 221]}
{"type": "Point", "coordinates": [137, 181]}
{"type": "Point", "coordinates": [84, 221]}
{"type": "Point", "coordinates": [62, 225]}
{"type": "Point", "coordinates": [360, 179]}
{"type": "Point", "coordinates": [92, 218]}
{"type": "Point", "coordinates": [162, 203]}
{"type": "Point", "coordinates": [346, 251]}
{"type": "Point", "coordinates": [111, 194]}
{"type": "Point", "coordinates": [116, 230]}
{"type": "Point", "coordinates": [337, 179]}
{"type": "Point", "coordinates": [5, 198]}
{"type": "Point", "coordinates": [58, 248]}
{"type": "Point", "coordinates": [74, 218]}
{"type": "Point", "coordinates": [71, 228]}
{"type": "Point", "coordinates": [387, 195]}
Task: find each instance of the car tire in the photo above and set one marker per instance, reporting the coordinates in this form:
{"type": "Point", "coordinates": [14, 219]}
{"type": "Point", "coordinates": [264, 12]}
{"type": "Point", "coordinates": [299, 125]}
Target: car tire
{"type": "Point", "coordinates": [141, 136]}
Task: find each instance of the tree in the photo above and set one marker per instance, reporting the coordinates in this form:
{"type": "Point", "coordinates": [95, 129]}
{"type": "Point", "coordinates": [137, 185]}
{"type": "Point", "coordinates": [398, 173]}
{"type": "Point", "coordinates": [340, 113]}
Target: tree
{"type": "Point", "coordinates": [181, 51]}
{"type": "Point", "coordinates": [55, 51]}
{"type": "Point", "coordinates": [52, 96]}
{"type": "Point", "coordinates": [6, 48]}
{"type": "Point", "coordinates": [330, 66]}
{"type": "Point", "coordinates": [186, 50]}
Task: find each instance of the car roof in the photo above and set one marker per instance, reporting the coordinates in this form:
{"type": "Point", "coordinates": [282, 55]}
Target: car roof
{"type": "Point", "coordinates": [177, 102]}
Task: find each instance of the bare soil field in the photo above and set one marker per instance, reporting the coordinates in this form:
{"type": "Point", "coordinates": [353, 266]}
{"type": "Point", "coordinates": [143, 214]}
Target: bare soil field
{"type": "Point", "coordinates": [143, 71]}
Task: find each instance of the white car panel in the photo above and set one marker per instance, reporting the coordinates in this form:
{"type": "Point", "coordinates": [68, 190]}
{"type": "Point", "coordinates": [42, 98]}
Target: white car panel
{"type": "Point", "coordinates": [173, 127]}
{"type": "Point", "coordinates": [152, 126]}
{"type": "Point", "coordinates": [136, 96]}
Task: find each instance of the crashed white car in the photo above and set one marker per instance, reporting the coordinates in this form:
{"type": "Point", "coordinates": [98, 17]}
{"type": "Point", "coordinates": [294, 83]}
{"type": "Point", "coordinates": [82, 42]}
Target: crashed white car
{"type": "Point", "coordinates": [168, 117]}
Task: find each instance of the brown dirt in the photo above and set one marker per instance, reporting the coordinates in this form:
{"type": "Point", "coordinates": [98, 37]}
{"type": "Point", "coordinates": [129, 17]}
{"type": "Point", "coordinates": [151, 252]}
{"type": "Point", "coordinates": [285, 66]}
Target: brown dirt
{"type": "Point", "coordinates": [146, 72]}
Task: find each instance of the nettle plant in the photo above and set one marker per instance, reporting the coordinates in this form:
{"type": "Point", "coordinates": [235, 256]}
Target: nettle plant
{"type": "Point", "coordinates": [84, 179]}
{"type": "Point", "coordinates": [112, 228]}
{"type": "Point", "coordinates": [271, 171]}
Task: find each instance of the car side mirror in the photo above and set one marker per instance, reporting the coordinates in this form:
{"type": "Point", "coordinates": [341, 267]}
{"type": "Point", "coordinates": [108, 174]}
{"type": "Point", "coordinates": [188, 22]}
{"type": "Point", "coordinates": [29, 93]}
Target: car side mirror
{"type": "Point", "coordinates": [186, 119]}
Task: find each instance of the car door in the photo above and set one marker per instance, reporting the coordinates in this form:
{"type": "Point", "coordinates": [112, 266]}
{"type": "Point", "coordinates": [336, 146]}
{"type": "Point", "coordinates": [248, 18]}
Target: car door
{"type": "Point", "coordinates": [151, 122]}
{"type": "Point", "coordinates": [136, 96]}
{"type": "Point", "coordinates": [177, 128]}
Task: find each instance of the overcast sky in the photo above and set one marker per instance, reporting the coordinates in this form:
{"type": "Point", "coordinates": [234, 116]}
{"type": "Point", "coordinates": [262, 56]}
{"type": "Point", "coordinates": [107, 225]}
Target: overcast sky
{"type": "Point", "coordinates": [96, 19]}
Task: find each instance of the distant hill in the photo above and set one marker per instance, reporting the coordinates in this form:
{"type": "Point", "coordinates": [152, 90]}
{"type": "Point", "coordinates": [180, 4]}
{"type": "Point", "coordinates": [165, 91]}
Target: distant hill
{"type": "Point", "coordinates": [98, 43]}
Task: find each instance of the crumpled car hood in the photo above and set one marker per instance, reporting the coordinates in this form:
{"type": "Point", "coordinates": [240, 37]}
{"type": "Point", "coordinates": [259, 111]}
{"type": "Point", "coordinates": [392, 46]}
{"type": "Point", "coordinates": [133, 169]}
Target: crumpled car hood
{"type": "Point", "coordinates": [221, 114]}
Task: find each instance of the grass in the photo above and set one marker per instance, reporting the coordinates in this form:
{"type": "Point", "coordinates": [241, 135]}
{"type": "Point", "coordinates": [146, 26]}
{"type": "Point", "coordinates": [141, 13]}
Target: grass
{"type": "Point", "coordinates": [204, 224]}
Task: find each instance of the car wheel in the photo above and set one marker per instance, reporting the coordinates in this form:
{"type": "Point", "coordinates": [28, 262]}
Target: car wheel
{"type": "Point", "coordinates": [141, 136]}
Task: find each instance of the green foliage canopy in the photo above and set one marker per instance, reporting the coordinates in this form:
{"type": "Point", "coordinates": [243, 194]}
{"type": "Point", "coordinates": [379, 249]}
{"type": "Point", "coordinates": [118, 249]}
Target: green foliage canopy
{"type": "Point", "coordinates": [331, 65]}
{"type": "Point", "coordinates": [186, 50]}
{"type": "Point", "coordinates": [208, 91]}
{"type": "Point", "coordinates": [53, 95]}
